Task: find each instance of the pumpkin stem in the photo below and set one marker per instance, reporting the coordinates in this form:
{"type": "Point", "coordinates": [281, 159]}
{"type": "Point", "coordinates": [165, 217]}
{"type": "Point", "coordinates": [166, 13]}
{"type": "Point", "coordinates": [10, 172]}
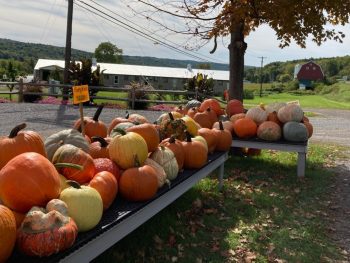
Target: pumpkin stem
{"type": "Point", "coordinates": [69, 165]}
{"type": "Point", "coordinates": [73, 184]}
{"type": "Point", "coordinates": [208, 109]}
{"type": "Point", "coordinates": [188, 136]}
{"type": "Point", "coordinates": [16, 130]}
{"type": "Point", "coordinates": [136, 161]}
{"type": "Point", "coordinates": [98, 112]}
{"type": "Point", "coordinates": [119, 130]}
{"type": "Point", "coordinates": [171, 116]}
{"type": "Point", "coordinates": [101, 140]}
{"type": "Point", "coordinates": [162, 147]}
{"type": "Point", "coordinates": [221, 126]}
{"type": "Point", "coordinates": [127, 115]}
{"type": "Point", "coordinates": [172, 139]}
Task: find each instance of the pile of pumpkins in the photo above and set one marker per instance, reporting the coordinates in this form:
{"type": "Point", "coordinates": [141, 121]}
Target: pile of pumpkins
{"type": "Point", "coordinates": [273, 122]}
{"type": "Point", "coordinates": [52, 189]}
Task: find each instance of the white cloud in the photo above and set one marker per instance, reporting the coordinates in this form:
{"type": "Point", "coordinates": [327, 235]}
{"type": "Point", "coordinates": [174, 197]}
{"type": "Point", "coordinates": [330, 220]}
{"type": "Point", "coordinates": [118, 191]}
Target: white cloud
{"type": "Point", "coordinates": [44, 21]}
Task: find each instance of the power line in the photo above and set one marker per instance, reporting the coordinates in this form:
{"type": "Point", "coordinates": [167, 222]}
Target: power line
{"type": "Point", "coordinates": [134, 30]}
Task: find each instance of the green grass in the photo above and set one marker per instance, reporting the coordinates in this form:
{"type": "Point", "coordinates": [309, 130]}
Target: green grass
{"type": "Point", "coordinates": [263, 212]}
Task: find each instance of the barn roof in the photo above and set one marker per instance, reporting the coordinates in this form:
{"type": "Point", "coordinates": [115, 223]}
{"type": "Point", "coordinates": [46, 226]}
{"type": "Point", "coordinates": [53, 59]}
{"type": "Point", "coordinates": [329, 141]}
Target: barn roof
{"type": "Point", "coordinates": [125, 69]}
{"type": "Point", "coordinates": [309, 71]}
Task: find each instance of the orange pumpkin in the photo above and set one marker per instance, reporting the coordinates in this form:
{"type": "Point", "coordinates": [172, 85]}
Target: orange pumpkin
{"type": "Point", "coordinates": [272, 116]}
{"type": "Point", "coordinates": [8, 232]}
{"type": "Point", "coordinates": [138, 118]}
{"type": "Point", "coordinates": [213, 104]}
{"type": "Point", "coordinates": [224, 138]}
{"type": "Point", "coordinates": [98, 147]}
{"type": "Point", "coordinates": [192, 111]}
{"type": "Point", "coordinates": [245, 128]}
{"type": "Point", "coordinates": [234, 107]}
{"type": "Point", "coordinates": [269, 131]}
{"type": "Point", "coordinates": [176, 147]}
{"type": "Point", "coordinates": [211, 138]}
{"type": "Point", "coordinates": [106, 164]}
{"type": "Point", "coordinates": [237, 116]}
{"type": "Point", "coordinates": [309, 127]}
{"type": "Point", "coordinates": [73, 155]}
{"type": "Point", "coordinates": [33, 178]}
{"type": "Point", "coordinates": [206, 119]}
{"type": "Point", "coordinates": [196, 154]}
{"type": "Point", "coordinates": [149, 132]}
{"type": "Point", "coordinates": [19, 142]}
{"type": "Point", "coordinates": [93, 126]}
{"type": "Point", "coordinates": [138, 183]}
{"type": "Point", "coordinates": [19, 218]}
{"type": "Point", "coordinates": [118, 120]}
{"type": "Point", "coordinates": [228, 125]}
{"type": "Point", "coordinates": [107, 185]}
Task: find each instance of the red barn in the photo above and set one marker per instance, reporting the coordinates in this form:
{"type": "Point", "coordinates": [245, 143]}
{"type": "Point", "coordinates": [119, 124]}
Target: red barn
{"type": "Point", "coordinates": [310, 71]}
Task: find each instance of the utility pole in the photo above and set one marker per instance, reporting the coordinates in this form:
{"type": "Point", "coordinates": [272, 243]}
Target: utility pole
{"type": "Point", "coordinates": [261, 80]}
{"type": "Point", "coordinates": [67, 53]}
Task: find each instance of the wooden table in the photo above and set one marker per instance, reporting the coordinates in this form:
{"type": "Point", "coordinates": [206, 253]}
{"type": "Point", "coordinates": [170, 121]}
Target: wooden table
{"type": "Point", "coordinates": [123, 217]}
{"type": "Point", "coordinates": [282, 145]}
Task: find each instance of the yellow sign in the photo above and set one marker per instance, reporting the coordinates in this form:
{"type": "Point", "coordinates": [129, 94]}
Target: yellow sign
{"type": "Point", "coordinates": [80, 94]}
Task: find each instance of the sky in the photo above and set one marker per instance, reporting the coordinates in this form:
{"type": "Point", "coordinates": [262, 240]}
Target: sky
{"type": "Point", "coordinates": [45, 21]}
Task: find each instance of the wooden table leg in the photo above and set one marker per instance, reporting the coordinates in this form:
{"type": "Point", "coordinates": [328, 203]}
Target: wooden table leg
{"type": "Point", "coordinates": [301, 164]}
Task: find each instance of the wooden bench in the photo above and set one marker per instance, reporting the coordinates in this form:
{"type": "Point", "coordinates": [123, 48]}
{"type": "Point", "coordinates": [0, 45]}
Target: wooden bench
{"type": "Point", "coordinates": [282, 145]}
{"type": "Point", "coordinates": [123, 217]}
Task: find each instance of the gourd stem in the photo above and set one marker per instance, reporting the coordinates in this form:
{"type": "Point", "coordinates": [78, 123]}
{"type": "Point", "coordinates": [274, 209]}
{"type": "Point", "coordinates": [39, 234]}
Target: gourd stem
{"type": "Point", "coordinates": [127, 115]}
{"type": "Point", "coordinates": [171, 116]}
{"type": "Point", "coordinates": [221, 125]}
{"type": "Point", "coordinates": [16, 130]}
{"type": "Point", "coordinates": [172, 139]}
{"type": "Point", "coordinates": [69, 165]}
{"type": "Point", "coordinates": [98, 112]}
{"type": "Point", "coordinates": [73, 184]}
{"type": "Point", "coordinates": [101, 140]}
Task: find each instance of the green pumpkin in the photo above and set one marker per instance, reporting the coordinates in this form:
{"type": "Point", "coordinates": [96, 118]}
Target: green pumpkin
{"type": "Point", "coordinates": [295, 131]}
{"type": "Point", "coordinates": [193, 104]}
{"type": "Point", "coordinates": [85, 205]}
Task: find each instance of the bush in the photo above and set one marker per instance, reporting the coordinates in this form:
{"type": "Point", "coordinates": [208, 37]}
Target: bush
{"type": "Point", "coordinates": [248, 94]}
{"type": "Point", "coordinates": [32, 97]}
{"type": "Point", "coordinates": [140, 94]}
{"type": "Point", "coordinates": [292, 85]}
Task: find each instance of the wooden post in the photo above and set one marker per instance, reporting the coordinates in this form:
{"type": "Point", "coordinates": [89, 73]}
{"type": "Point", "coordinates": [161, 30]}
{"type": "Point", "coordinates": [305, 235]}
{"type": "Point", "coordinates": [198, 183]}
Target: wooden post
{"type": "Point", "coordinates": [82, 125]}
{"type": "Point", "coordinates": [133, 95]}
{"type": "Point", "coordinates": [20, 91]}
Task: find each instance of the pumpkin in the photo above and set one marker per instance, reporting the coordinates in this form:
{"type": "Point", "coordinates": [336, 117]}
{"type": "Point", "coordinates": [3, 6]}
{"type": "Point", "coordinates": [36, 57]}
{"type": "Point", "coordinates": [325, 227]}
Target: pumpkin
{"type": "Point", "coordinates": [196, 154]}
{"type": "Point", "coordinates": [124, 147]}
{"type": "Point", "coordinates": [272, 116]}
{"type": "Point", "coordinates": [64, 184]}
{"type": "Point", "coordinates": [200, 139]}
{"type": "Point", "coordinates": [237, 116]}
{"type": "Point", "coordinates": [138, 118]}
{"type": "Point", "coordinates": [274, 106]}
{"type": "Point", "coordinates": [295, 131]}
{"type": "Point", "coordinates": [106, 164]}
{"type": "Point", "coordinates": [98, 147]}
{"type": "Point", "coordinates": [166, 116]}
{"type": "Point", "coordinates": [309, 127]}
{"type": "Point", "coordinates": [257, 114]}
{"type": "Point", "coordinates": [191, 125]}
{"type": "Point", "coordinates": [245, 128]}
{"type": "Point", "coordinates": [180, 109]}
{"type": "Point", "coordinates": [47, 231]}
{"type": "Point", "coordinates": [191, 112]}
{"type": "Point", "coordinates": [211, 138]}
{"type": "Point", "coordinates": [85, 205]}
{"type": "Point", "coordinates": [213, 104]}
{"type": "Point", "coordinates": [161, 175]}
{"type": "Point", "coordinates": [149, 133]}
{"type": "Point", "coordinates": [139, 183]}
{"type": "Point", "coordinates": [69, 136]}
{"type": "Point", "coordinates": [8, 233]}
{"type": "Point", "coordinates": [166, 158]}
{"type": "Point", "coordinates": [290, 112]}
{"type": "Point", "coordinates": [93, 126]}
{"type": "Point", "coordinates": [234, 107]}
{"type": "Point", "coordinates": [176, 147]}
{"type": "Point", "coordinates": [206, 119]}
{"type": "Point", "coordinates": [224, 138]}
{"type": "Point", "coordinates": [19, 142]}
{"type": "Point", "coordinates": [118, 120]}
{"type": "Point", "coordinates": [19, 218]}
{"type": "Point", "coordinates": [73, 155]}
{"type": "Point", "coordinates": [33, 179]}
{"type": "Point", "coordinates": [172, 126]}
{"type": "Point", "coordinates": [228, 125]}
{"type": "Point", "coordinates": [107, 186]}
{"type": "Point", "coordinates": [193, 104]}
{"type": "Point", "coordinates": [121, 126]}
{"type": "Point", "coordinates": [269, 131]}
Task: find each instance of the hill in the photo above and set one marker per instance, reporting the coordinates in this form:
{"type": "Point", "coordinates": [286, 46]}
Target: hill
{"type": "Point", "coordinates": [20, 51]}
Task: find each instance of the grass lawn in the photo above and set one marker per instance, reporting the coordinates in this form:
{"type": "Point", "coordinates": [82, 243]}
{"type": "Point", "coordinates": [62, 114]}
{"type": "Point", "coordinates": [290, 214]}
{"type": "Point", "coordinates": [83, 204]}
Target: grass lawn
{"type": "Point", "coordinates": [263, 214]}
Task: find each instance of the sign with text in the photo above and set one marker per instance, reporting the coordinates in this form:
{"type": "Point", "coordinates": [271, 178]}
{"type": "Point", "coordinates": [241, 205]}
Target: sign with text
{"type": "Point", "coordinates": [80, 94]}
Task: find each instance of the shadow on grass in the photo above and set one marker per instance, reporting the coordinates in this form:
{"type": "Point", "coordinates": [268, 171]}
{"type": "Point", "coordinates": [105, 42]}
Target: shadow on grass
{"type": "Point", "coordinates": [263, 214]}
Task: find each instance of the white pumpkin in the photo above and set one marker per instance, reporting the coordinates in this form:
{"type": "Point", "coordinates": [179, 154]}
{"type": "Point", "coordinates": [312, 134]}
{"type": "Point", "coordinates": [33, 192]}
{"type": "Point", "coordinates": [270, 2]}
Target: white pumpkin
{"type": "Point", "coordinates": [166, 158]}
{"type": "Point", "coordinates": [162, 177]}
{"type": "Point", "coordinates": [257, 114]}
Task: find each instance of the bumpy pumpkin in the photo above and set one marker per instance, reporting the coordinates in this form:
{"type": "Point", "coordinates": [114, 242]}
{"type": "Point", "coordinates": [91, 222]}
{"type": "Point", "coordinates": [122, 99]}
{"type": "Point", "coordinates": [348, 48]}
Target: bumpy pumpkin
{"type": "Point", "coordinates": [290, 112]}
{"type": "Point", "coordinates": [85, 205]}
{"type": "Point", "coordinates": [8, 232]}
{"type": "Point", "coordinates": [269, 131]}
{"type": "Point", "coordinates": [172, 126]}
{"type": "Point", "coordinates": [124, 147]}
{"type": "Point", "coordinates": [47, 231]}
{"type": "Point", "coordinates": [245, 128]}
{"type": "Point", "coordinates": [176, 147]}
{"type": "Point", "coordinates": [106, 164]}
{"type": "Point", "coordinates": [138, 183]}
{"type": "Point", "coordinates": [166, 158]}
{"type": "Point", "coordinates": [295, 131]}
{"type": "Point", "coordinates": [196, 155]}
{"type": "Point", "coordinates": [73, 155]}
{"type": "Point", "coordinates": [149, 132]}
{"type": "Point", "coordinates": [107, 186]}
{"type": "Point", "coordinates": [234, 107]}
{"type": "Point", "coordinates": [93, 126]}
{"type": "Point", "coordinates": [69, 136]}
{"type": "Point", "coordinates": [32, 177]}
{"type": "Point", "coordinates": [18, 142]}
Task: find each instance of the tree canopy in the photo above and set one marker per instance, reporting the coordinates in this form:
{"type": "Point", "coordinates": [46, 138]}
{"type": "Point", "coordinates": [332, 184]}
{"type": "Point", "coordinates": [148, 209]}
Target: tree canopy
{"type": "Point", "coordinates": [291, 20]}
{"type": "Point", "coordinates": [108, 53]}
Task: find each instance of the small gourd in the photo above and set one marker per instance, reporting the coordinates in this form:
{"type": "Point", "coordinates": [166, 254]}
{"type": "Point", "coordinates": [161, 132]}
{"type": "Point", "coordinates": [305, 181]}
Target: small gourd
{"type": "Point", "coordinates": [166, 158]}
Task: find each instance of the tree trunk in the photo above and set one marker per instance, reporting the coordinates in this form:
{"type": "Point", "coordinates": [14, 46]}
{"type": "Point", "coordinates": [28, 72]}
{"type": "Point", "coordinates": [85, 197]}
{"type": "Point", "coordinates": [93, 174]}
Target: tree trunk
{"type": "Point", "coordinates": [237, 49]}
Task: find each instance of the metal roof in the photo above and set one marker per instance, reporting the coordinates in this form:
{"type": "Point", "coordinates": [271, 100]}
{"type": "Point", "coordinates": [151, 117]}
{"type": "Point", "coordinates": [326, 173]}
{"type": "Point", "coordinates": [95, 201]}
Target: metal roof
{"type": "Point", "coordinates": [137, 70]}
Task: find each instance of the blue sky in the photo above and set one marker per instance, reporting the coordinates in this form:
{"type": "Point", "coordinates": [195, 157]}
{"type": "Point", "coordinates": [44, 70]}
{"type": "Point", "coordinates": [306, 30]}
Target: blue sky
{"type": "Point", "coordinates": [44, 21]}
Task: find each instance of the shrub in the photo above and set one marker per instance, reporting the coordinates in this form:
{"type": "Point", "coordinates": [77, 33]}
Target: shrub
{"type": "Point", "coordinates": [204, 85]}
{"type": "Point", "coordinates": [248, 94]}
{"type": "Point", "coordinates": [292, 85]}
{"type": "Point", "coordinates": [32, 97]}
{"type": "Point", "coordinates": [140, 94]}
